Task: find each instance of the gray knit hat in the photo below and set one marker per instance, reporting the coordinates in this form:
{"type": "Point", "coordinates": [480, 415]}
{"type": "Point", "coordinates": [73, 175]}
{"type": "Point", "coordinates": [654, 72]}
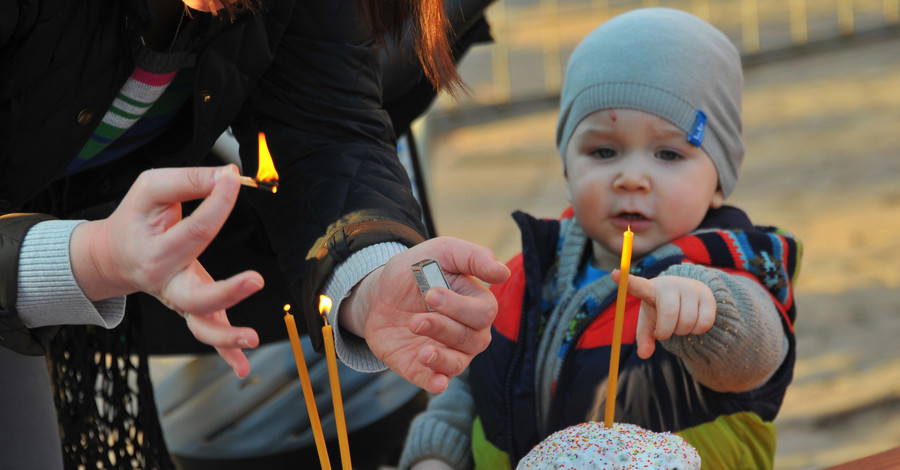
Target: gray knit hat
{"type": "Point", "coordinates": [665, 62]}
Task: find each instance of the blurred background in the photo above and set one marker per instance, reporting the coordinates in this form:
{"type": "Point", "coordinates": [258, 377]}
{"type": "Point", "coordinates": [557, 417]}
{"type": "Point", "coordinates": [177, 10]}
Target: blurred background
{"type": "Point", "coordinates": [822, 131]}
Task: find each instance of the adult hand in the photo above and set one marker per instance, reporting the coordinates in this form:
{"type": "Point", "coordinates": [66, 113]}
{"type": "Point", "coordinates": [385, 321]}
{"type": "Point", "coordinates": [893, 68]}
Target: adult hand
{"type": "Point", "coordinates": [428, 348]}
{"type": "Point", "coordinates": [669, 305]}
{"type": "Point", "coordinates": [145, 245]}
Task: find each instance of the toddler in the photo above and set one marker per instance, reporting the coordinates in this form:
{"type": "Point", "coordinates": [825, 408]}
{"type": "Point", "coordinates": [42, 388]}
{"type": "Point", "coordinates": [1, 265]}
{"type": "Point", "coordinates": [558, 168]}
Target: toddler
{"type": "Point", "coordinates": [650, 137]}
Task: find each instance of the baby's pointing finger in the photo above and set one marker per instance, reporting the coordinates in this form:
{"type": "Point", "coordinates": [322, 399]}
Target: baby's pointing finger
{"type": "Point", "coordinates": [638, 287]}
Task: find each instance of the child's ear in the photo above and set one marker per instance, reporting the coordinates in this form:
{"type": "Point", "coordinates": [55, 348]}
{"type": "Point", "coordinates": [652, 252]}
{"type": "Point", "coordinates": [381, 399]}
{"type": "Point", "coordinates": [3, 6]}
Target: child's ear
{"type": "Point", "coordinates": [718, 199]}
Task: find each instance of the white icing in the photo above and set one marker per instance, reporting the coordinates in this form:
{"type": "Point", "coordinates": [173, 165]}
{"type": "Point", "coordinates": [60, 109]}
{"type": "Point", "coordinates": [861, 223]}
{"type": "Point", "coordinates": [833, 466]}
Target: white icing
{"type": "Point", "coordinates": [591, 445]}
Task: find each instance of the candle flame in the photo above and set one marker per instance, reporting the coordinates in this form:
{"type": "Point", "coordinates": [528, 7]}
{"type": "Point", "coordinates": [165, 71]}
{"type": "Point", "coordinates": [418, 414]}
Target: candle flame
{"type": "Point", "coordinates": [287, 308]}
{"type": "Point", "coordinates": [324, 305]}
{"type": "Point", "coordinates": [266, 171]}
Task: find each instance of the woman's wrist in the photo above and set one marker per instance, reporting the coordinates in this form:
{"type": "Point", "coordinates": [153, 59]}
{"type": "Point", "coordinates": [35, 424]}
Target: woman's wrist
{"type": "Point", "coordinates": [353, 311]}
{"type": "Point", "coordinates": [89, 255]}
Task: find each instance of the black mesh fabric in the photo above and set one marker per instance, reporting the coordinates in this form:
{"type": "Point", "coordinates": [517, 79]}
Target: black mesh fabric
{"type": "Point", "coordinates": [104, 398]}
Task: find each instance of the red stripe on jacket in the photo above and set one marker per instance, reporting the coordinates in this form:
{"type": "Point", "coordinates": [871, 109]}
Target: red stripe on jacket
{"type": "Point", "coordinates": [510, 295]}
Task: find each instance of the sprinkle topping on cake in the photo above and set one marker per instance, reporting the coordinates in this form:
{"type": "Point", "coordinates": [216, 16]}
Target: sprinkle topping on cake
{"type": "Point", "coordinates": [591, 445]}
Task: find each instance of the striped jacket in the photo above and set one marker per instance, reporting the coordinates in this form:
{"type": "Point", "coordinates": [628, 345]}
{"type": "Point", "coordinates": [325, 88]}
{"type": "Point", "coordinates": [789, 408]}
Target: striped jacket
{"type": "Point", "coordinates": [729, 430]}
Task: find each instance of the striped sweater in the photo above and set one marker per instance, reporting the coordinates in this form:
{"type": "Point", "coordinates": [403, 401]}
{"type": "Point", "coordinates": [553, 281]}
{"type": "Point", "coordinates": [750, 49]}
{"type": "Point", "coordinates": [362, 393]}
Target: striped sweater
{"type": "Point", "coordinates": [148, 101]}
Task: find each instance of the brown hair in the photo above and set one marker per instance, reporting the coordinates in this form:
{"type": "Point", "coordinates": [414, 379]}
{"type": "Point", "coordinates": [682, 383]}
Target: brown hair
{"type": "Point", "coordinates": [430, 29]}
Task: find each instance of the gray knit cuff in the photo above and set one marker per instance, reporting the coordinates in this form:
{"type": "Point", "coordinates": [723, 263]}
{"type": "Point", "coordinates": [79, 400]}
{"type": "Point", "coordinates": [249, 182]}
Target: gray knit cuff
{"type": "Point", "coordinates": [48, 293]}
{"type": "Point", "coordinates": [431, 438]}
{"type": "Point", "coordinates": [351, 349]}
{"type": "Point", "coordinates": [744, 343]}
{"type": "Point", "coordinates": [444, 430]}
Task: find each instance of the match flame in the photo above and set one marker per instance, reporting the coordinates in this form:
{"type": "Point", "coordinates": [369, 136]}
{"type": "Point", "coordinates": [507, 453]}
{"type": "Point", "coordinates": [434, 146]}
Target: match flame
{"type": "Point", "coordinates": [266, 170]}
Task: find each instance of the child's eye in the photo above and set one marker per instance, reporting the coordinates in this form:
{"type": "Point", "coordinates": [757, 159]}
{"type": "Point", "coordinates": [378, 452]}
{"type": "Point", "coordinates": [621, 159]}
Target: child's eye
{"type": "Point", "coordinates": [603, 153]}
{"type": "Point", "coordinates": [668, 155]}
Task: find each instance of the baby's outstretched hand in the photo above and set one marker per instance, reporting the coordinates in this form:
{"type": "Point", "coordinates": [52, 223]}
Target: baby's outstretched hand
{"type": "Point", "coordinates": [669, 305]}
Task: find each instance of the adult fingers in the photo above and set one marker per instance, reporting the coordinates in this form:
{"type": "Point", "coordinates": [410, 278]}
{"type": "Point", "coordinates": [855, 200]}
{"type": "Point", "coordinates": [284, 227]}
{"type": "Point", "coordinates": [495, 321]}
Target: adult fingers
{"type": "Point", "coordinates": [463, 257]}
{"type": "Point", "coordinates": [215, 330]}
{"type": "Point", "coordinates": [171, 185]}
{"type": "Point", "coordinates": [205, 297]}
{"type": "Point", "coordinates": [439, 364]}
{"type": "Point", "coordinates": [475, 310]}
{"type": "Point", "coordinates": [418, 366]}
{"type": "Point", "coordinates": [451, 333]}
{"type": "Point", "coordinates": [188, 238]}
{"type": "Point", "coordinates": [236, 359]}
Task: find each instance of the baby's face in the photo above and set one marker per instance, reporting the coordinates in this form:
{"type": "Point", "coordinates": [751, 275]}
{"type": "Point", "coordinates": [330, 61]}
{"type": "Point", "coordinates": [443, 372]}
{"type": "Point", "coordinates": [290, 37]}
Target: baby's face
{"type": "Point", "coordinates": [626, 167]}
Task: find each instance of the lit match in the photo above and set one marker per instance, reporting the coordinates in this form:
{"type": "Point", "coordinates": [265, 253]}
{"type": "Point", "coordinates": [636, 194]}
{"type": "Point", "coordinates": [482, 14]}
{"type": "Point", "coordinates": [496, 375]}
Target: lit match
{"type": "Point", "coordinates": [266, 176]}
{"type": "Point", "coordinates": [255, 183]}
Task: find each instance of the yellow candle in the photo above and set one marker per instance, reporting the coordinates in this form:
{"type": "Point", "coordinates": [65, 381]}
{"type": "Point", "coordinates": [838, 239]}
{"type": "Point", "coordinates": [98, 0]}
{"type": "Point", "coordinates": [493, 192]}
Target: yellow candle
{"type": "Point", "coordinates": [336, 399]}
{"type": "Point", "coordinates": [306, 385]}
{"type": "Point", "coordinates": [625, 267]}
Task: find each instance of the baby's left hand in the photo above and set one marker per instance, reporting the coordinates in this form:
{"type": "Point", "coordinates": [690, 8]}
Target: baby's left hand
{"type": "Point", "coordinates": [669, 305]}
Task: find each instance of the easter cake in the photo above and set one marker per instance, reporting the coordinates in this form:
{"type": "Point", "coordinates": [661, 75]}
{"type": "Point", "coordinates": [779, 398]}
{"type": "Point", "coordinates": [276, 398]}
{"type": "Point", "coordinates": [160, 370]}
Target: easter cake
{"type": "Point", "coordinates": [592, 445]}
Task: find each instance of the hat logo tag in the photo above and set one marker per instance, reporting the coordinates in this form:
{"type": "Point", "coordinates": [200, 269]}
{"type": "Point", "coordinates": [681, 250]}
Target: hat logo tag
{"type": "Point", "coordinates": [699, 129]}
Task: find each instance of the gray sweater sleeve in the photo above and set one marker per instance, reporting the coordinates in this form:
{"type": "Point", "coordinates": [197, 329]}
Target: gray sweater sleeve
{"type": "Point", "coordinates": [444, 430]}
{"type": "Point", "coordinates": [351, 349]}
{"type": "Point", "coordinates": [48, 293]}
{"type": "Point", "coordinates": [745, 345]}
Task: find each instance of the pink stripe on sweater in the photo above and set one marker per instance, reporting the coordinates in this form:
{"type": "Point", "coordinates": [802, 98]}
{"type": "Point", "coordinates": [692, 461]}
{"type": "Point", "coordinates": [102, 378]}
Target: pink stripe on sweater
{"type": "Point", "coordinates": [152, 79]}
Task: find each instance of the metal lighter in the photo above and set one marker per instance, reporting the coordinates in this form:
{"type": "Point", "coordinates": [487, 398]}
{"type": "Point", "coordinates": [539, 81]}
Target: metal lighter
{"type": "Point", "coordinates": [429, 274]}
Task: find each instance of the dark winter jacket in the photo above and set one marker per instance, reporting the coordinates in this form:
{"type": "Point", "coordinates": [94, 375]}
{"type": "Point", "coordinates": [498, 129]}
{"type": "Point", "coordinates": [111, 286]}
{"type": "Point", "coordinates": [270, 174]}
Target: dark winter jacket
{"type": "Point", "coordinates": [730, 430]}
{"type": "Point", "coordinates": [304, 72]}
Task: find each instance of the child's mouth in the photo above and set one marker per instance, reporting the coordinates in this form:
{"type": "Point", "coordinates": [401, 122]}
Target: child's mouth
{"type": "Point", "coordinates": [632, 216]}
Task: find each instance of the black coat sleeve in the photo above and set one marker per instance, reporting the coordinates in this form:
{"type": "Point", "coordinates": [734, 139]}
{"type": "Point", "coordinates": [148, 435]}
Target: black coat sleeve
{"type": "Point", "coordinates": [13, 334]}
{"type": "Point", "coordinates": [342, 186]}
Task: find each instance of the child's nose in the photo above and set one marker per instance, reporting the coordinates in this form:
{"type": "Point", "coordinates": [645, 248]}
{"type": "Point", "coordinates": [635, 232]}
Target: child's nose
{"type": "Point", "coordinates": [632, 176]}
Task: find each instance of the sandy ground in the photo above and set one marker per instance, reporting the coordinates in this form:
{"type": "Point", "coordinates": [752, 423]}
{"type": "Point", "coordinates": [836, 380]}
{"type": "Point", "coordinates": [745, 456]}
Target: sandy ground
{"type": "Point", "coordinates": [823, 157]}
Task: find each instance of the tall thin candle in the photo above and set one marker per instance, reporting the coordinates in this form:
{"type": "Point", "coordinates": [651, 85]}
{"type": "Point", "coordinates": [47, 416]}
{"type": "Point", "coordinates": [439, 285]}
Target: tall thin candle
{"type": "Point", "coordinates": [306, 385]}
{"type": "Point", "coordinates": [336, 400]}
{"type": "Point", "coordinates": [625, 267]}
